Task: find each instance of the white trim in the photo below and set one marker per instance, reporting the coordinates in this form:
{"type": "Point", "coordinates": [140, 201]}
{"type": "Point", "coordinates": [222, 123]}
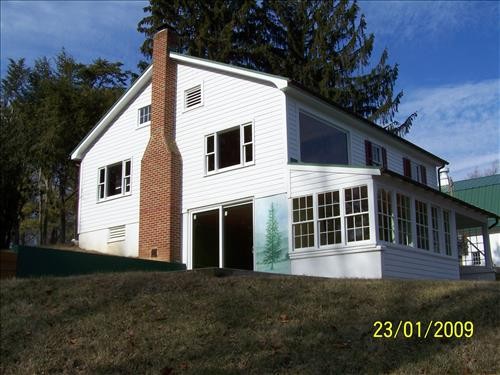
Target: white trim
{"type": "Point", "coordinates": [94, 134]}
{"type": "Point", "coordinates": [334, 169]}
{"type": "Point", "coordinates": [346, 249]}
{"type": "Point", "coordinates": [279, 82]}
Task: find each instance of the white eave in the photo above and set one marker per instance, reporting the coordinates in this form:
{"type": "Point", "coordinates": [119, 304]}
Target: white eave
{"type": "Point", "coordinates": [278, 81]}
{"type": "Point", "coordinates": [373, 171]}
{"type": "Point", "coordinates": [101, 126]}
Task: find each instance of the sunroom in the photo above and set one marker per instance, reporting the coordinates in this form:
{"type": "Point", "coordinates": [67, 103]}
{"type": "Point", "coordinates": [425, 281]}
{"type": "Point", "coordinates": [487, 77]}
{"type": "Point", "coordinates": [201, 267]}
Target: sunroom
{"type": "Point", "coordinates": [368, 222]}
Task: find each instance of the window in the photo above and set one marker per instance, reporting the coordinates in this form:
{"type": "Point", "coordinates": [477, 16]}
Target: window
{"type": "Point", "coordinates": [321, 142]}
{"type": "Point", "coordinates": [193, 97]}
{"type": "Point", "coordinates": [113, 180]}
{"type": "Point", "coordinates": [229, 147]}
{"type": "Point", "coordinates": [329, 218]}
{"type": "Point", "coordinates": [145, 115]}
{"type": "Point", "coordinates": [422, 225]}
{"type": "Point", "coordinates": [447, 232]}
{"type": "Point", "coordinates": [385, 216]}
{"type": "Point", "coordinates": [303, 222]}
{"type": "Point", "coordinates": [404, 220]}
{"type": "Point", "coordinates": [356, 209]}
{"type": "Point", "coordinates": [435, 229]}
{"type": "Point", "coordinates": [415, 171]}
{"type": "Point", "coordinates": [375, 155]}
{"type": "Point", "coordinates": [476, 258]}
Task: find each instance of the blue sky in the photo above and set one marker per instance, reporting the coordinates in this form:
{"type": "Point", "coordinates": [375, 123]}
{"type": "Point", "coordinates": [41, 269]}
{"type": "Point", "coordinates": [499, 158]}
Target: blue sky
{"type": "Point", "coordinates": [448, 55]}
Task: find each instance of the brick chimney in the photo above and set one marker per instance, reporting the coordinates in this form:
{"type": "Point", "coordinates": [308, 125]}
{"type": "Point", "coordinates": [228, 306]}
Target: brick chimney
{"type": "Point", "coordinates": [160, 222]}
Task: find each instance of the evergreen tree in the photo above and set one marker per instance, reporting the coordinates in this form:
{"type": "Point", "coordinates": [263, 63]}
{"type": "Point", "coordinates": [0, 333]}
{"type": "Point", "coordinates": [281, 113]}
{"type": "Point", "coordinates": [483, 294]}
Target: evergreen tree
{"type": "Point", "coordinates": [272, 251]}
{"type": "Point", "coordinates": [45, 111]}
{"type": "Point", "coordinates": [321, 44]}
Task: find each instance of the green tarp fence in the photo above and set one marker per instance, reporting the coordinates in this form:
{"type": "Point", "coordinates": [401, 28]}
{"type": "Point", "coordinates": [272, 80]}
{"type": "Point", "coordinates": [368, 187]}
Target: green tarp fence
{"type": "Point", "coordinates": [35, 262]}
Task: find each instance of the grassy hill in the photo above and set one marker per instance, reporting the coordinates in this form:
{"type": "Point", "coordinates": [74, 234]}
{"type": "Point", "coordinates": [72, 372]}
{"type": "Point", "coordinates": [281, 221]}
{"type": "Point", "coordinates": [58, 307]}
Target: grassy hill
{"type": "Point", "coordinates": [169, 323]}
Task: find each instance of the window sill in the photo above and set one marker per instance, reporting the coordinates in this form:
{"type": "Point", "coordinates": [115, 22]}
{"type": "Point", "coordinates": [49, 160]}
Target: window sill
{"type": "Point", "coordinates": [140, 126]}
{"type": "Point", "coordinates": [228, 169]}
{"type": "Point", "coordinates": [113, 197]}
{"type": "Point", "coordinates": [417, 250]}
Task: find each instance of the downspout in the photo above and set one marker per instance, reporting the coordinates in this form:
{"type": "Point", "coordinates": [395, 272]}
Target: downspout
{"type": "Point", "coordinates": [439, 175]}
{"type": "Point", "coordinates": [495, 223]}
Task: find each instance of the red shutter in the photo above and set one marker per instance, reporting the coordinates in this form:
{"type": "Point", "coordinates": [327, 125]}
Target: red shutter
{"type": "Point", "coordinates": [423, 172]}
{"type": "Point", "coordinates": [368, 152]}
{"type": "Point", "coordinates": [407, 167]}
{"type": "Point", "coordinates": [384, 158]}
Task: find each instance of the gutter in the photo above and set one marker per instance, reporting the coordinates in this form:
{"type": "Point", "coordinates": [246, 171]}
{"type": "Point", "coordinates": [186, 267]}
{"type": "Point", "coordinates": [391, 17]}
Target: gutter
{"type": "Point", "coordinates": [439, 175]}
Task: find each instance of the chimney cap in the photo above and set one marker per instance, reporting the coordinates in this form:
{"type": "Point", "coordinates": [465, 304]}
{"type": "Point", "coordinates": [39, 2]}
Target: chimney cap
{"type": "Point", "coordinates": [164, 26]}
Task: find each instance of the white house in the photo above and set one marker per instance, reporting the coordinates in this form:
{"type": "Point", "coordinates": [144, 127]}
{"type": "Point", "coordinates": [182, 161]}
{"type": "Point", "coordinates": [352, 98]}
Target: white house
{"type": "Point", "coordinates": [219, 166]}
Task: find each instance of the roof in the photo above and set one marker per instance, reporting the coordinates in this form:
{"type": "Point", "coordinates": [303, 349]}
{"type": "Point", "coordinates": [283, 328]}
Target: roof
{"type": "Point", "coordinates": [282, 83]}
{"type": "Point", "coordinates": [483, 192]}
{"type": "Point", "coordinates": [454, 199]}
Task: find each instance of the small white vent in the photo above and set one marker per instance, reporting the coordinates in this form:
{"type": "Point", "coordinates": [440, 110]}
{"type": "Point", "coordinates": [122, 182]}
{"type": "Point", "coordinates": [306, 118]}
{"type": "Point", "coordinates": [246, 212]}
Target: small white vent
{"type": "Point", "coordinates": [193, 97]}
{"type": "Point", "coordinates": [116, 233]}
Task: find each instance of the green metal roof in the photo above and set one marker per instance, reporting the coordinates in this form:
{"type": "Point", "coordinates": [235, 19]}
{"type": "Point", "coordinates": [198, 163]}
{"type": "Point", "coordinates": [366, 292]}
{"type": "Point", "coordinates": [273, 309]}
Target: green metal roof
{"type": "Point", "coordinates": [483, 192]}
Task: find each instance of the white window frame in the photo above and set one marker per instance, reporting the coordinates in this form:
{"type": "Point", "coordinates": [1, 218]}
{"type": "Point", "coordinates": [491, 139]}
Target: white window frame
{"type": "Point", "coordinates": [377, 150]}
{"type": "Point", "coordinates": [326, 218]}
{"type": "Point", "coordinates": [126, 183]}
{"type": "Point", "coordinates": [422, 228]}
{"type": "Point", "coordinates": [242, 147]}
{"type": "Point", "coordinates": [202, 98]}
{"type": "Point", "coordinates": [406, 222]}
{"type": "Point", "coordinates": [355, 214]}
{"type": "Point", "coordinates": [145, 123]}
{"type": "Point", "coordinates": [385, 209]}
{"type": "Point", "coordinates": [307, 221]}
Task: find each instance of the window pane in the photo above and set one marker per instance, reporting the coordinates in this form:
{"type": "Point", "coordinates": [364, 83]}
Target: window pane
{"type": "Point", "coordinates": [321, 143]}
{"type": "Point", "coordinates": [127, 168]}
{"type": "Point", "coordinates": [211, 162]}
{"type": "Point", "coordinates": [101, 175]}
{"type": "Point", "coordinates": [229, 148]}
{"type": "Point", "coordinates": [248, 153]}
{"type": "Point", "coordinates": [114, 182]}
{"type": "Point", "coordinates": [247, 133]}
{"type": "Point", "coordinates": [210, 144]}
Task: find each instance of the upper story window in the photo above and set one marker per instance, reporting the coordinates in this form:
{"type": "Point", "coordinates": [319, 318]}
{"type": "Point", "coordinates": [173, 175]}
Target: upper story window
{"type": "Point", "coordinates": [375, 154]}
{"type": "Point", "coordinates": [415, 171]}
{"type": "Point", "coordinates": [322, 143]}
{"type": "Point", "coordinates": [113, 180]}
{"type": "Point", "coordinates": [145, 115]}
{"type": "Point", "coordinates": [193, 97]}
{"type": "Point", "coordinates": [229, 148]}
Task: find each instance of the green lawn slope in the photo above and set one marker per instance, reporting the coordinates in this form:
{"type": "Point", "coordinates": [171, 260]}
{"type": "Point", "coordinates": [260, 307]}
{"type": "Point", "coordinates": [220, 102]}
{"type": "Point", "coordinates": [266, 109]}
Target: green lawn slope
{"type": "Point", "coordinates": [185, 322]}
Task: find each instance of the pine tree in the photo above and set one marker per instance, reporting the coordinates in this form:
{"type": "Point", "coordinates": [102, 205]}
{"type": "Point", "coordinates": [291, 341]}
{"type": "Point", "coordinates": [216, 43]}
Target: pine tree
{"type": "Point", "coordinates": [272, 250]}
{"type": "Point", "coordinates": [321, 44]}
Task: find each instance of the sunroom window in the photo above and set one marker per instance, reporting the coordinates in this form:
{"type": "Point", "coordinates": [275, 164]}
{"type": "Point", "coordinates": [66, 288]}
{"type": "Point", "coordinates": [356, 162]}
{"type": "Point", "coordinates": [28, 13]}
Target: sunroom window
{"type": "Point", "coordinates": [385, 215]}
{"type": "Point", "coordinates": [113, 180]}
{"type": "Point", "coordinates": [303, 222]}
{"type": "Point", "coordinates": [422, 225]}
{"type": "Point", "coordinates": [404, 220]}
{"type": "Point", "coordinates": [229, 148]}
{"type": "Point", "coordinates": [447, 232]}
{"type": "Point", "coordinates": [330, 231]}
{"type": "Point", "coordinates": [321, 142]}
{"type": "Point", "coordinates": [435, 229]}
{"type": "Point", "coordinates": [357, 218]}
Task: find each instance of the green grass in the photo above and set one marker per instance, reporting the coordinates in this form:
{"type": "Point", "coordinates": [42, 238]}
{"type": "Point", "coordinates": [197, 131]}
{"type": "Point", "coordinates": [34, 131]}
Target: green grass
{"type": "Point", "coordinates": [186, 322]}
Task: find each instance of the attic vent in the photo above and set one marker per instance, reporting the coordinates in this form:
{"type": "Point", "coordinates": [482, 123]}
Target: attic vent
{"type": "Point", "coordinates": [193, 97]}
{"type": "Point", "coordinates": [116, 233]}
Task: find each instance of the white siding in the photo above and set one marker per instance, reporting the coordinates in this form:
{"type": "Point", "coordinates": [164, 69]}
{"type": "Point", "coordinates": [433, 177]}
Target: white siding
{"type": "Point", "coordinates": [305, 182]}
{"type": "Point", "coordinates": [358, 133]}
{"type": "Point", "coordinates": [230, 101]}
{"type": "Point", "coordinates": [417, 264]}
{"type": "Point", "coordinates": [122, 140]}
{"type": "Point", "coordinates": [365, 265]}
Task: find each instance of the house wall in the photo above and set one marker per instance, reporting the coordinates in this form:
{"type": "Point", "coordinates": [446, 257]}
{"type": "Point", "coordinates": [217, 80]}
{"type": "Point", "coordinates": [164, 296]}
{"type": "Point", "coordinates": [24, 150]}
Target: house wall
{"type": "Point", "coordinates": [358, 133]}
{"type": "Point", "coordinates": [229, 101]}
{"type": "Point", "coordinates": [122, 140]}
